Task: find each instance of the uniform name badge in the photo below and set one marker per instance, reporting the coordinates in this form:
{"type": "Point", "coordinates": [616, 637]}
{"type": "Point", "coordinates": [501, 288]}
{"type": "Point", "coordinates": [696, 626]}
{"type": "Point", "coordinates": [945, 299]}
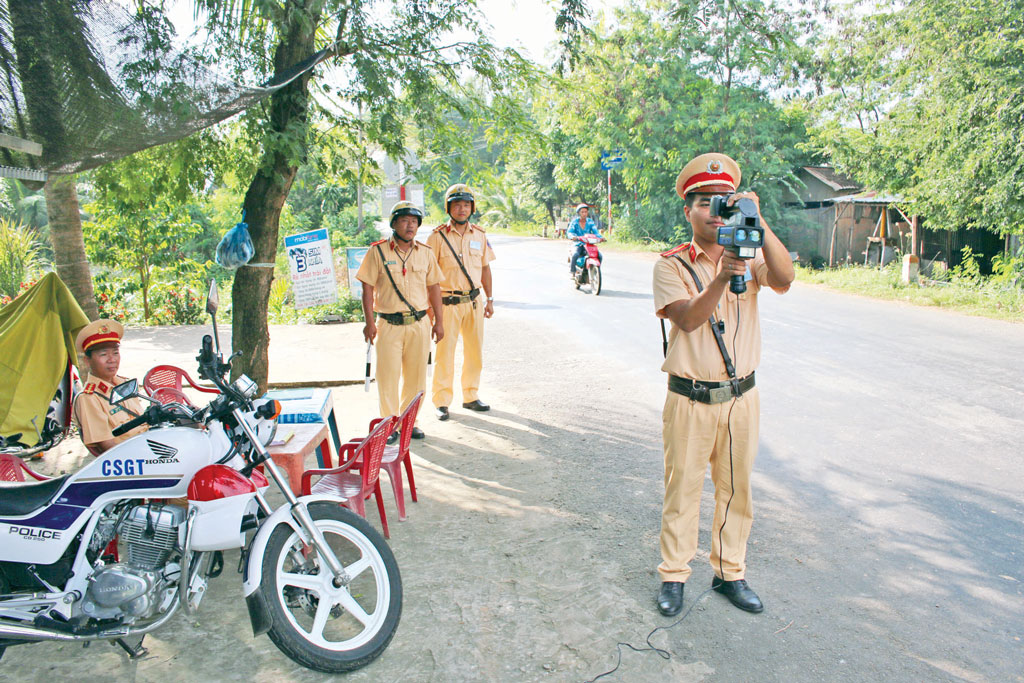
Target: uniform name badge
{"type": "Point", "coordinates": [474, 246]}
{"type": "Point", "coordinates": [747, 277]}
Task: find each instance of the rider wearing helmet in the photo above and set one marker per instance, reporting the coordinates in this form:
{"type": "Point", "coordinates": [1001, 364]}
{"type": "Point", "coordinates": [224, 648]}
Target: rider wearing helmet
{"type": "Point", "coordinates": [464, 256]}
{"type": "Point", "coordinates": [400, 282]}
{"type": "Point", "coordinates": [579, 226]}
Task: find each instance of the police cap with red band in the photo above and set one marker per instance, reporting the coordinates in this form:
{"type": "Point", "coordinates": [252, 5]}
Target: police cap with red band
{"type": "Point", "coordinates": [102, 331]}
{"type": "Point", "coordinates": [708, 174]}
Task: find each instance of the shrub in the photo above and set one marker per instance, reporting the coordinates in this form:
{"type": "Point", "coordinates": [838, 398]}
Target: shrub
{"type": "Point", "coordinates": [19, 256]}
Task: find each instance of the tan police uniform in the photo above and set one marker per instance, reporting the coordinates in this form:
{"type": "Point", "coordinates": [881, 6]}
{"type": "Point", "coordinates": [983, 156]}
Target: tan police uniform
{"type": "Point", "coordinates": [402, 346]}
{"type": "Point", "coordinates": [695, 433]}
{"type": "Point", "coordinates": [96, 416]}
{"type": "Point", "coordinates": [462, 317]}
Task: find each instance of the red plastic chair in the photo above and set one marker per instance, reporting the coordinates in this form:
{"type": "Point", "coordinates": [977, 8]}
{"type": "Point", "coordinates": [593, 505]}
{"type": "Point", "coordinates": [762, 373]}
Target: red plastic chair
{"type": "Point", "coordinates": [396, 456]}
{"type": "Point", "coordinates": [170, 377]}
{"type": "Point", "coordinates": [351, 487]}
{"type": "Point", "coordinates": [169, 395]}
{"type": "Point", "coordinates": [13, 468]}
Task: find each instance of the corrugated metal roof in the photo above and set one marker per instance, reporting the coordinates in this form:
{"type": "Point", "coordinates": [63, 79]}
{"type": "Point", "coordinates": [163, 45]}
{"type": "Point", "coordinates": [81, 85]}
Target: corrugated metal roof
{"type": "Point", "coordinates": [868, 197]}
{"type": "Point", "coordinates": [832, 178]}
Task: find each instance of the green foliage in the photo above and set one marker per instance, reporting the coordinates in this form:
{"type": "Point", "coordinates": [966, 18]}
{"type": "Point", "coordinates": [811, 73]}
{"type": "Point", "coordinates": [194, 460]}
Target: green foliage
{"type": "Point", "coordinates": [20, 257]}
{"type": "Point", "coordinates": [935, 92]}
{"type": "Point", "coordinates": [966, 293]}
{"type": "Point", "coordinates": [646, 89]}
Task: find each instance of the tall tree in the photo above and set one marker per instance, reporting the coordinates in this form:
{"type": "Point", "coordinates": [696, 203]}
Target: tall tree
{"type": "Point", "coordinates": [937, 88]}
{"type": "Point", "coordinates": [398, 66]}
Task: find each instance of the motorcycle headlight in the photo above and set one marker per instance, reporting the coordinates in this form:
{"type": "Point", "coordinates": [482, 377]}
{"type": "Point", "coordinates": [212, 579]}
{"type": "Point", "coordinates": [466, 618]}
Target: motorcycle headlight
{"type": "Point", "coordinates": [245, 386]}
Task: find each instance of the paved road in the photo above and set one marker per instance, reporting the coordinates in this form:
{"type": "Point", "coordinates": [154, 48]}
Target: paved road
{"type": "Point", "coordinates": [890, 482]}
{"type": "Point", "coordinates": [888, 538]}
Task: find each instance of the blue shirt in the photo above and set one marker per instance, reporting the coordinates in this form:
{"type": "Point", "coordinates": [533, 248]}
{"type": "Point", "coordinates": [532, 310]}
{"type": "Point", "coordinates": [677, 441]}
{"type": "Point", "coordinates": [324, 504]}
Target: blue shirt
{"type": "Point", "coordinates": [574, 230]}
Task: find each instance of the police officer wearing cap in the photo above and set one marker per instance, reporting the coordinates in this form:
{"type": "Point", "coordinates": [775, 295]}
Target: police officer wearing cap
{"type": "Point", "coordinates": [100, 342]}
{"type": "Point", "coordinates": [711, 414]}
{"type": "Point", "coordinates": [401, 280]}
{"type": "Point", "coordinates": [464, 256]}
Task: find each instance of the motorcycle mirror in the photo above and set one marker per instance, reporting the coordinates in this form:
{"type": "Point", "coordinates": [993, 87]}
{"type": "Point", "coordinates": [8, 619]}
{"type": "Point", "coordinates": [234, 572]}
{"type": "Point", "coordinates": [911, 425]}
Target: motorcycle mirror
{"type": "Point", "coordinates": [212, 300]}
{"type": "Point", "coordinates": [124, 390]}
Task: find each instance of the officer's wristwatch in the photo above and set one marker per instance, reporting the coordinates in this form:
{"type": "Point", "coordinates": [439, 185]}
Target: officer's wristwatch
{"type": "Point", "coordinates": [490, 298]}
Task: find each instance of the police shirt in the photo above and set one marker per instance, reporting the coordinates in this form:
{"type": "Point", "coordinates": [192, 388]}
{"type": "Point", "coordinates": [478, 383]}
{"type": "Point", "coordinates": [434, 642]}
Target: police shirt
{"type": "Point", "coordinates": [695, 355]}
{"type": "Point", "coordinates": [413, 272]}
{"type": "Point", "coordinates": [472, 246]}
{"type": "Point", "coordinates": [96, 417]}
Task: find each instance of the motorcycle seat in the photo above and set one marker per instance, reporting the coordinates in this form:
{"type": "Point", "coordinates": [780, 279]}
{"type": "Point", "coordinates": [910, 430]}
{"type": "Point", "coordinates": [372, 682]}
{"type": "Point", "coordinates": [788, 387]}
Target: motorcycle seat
{"type": "Point", "coordinates": [21, 499]}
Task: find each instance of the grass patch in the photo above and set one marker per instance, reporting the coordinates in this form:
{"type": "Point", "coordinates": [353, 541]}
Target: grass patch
{"type": "Point", "coordinates": [981, 297]}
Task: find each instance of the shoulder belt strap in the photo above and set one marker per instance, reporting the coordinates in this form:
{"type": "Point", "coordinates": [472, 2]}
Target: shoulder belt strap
{"type": "Point", "coordinates": [458, 259]}
{"type": "Point", "coordinates": [384, 263]}
{"type": "Point", "coordinates": [729, 367]}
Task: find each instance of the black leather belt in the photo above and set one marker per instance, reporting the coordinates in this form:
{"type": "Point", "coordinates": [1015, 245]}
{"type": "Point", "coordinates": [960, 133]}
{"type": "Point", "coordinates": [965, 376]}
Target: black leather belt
{"type": "Point", "coordinates": [708, 392]}
{"type": "Point", "coordinates": [402, 318]}
{"type": "Point", "coordinates": [460, 297]}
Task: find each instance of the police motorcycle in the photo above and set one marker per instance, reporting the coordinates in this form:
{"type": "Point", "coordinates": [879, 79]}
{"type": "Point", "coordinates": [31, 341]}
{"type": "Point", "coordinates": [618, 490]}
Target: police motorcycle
{"type": "Point", "coordinates": [588, 266]}
{"type": "Point", "coordinates": [317, 578]}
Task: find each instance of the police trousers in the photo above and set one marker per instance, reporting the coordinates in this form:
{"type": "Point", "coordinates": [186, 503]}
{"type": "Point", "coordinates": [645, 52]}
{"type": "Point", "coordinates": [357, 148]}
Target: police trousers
{"type": "Point", "coordinates": [696, 434]}
{"type": "Point", "coordinates": [460, 320]}
{"type": "Point", "coordinates": [401, 355]}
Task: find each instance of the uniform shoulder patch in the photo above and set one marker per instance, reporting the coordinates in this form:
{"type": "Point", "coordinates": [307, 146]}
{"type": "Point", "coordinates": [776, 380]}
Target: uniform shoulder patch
{"type": "Point", "coordinates": [681, 248]}
{"type": "Point", "coordinates": [477, 227]}
{"type": "Point", "coordinates": [89, 388]}
{"type": "Point", "coordinates": [424, 244]}
{"type": "Point", "coordinates": [438, 228]}
{"type": "Point", "coordinates": [373, 244]}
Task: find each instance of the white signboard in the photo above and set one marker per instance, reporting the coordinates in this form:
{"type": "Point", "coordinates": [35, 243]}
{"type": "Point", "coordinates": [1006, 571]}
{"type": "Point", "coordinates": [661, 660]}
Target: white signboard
{"type": "Point", "coordinates": [312, 268]}
{"type": "Point", "coordinates": [353, 259]}
{"type": "Point", "coordinates": [392, 194]}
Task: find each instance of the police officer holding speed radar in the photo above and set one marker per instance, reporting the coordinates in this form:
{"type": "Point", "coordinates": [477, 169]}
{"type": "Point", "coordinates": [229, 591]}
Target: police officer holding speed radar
{"type": "Point", "coordinates": [401, 279]}
{"type": "Point", "coordinates": [708, 290]}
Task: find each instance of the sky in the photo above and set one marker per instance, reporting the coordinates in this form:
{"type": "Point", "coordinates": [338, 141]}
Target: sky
{"type": "Point", "coordinates": [527, 25]}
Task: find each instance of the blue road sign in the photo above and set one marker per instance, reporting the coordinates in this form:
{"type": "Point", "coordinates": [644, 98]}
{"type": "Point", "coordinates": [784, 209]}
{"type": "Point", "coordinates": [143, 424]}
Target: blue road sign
{"type": "Point", "coordinates": [612, 159]}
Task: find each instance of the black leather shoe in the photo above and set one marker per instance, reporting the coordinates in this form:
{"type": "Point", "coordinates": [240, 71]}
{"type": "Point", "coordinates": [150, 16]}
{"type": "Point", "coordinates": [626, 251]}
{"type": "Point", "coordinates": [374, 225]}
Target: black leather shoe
{"type": "Point", "coordinates": [670, 598]}
{"type": "Point", "coordinates": [417, 433]}
{"type": "Point", "coordinates": [392, 438]}
{"type": "Point", "coordinates": [442, 413]}
{"type": "Point", "coordinates": [477, 405]}
{"type": "Point", "coordinates": [739, 594]}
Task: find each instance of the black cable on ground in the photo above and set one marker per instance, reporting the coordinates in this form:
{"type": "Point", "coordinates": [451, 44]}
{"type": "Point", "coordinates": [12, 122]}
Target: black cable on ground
{"type": "Point", "coordinates": [664, 654]}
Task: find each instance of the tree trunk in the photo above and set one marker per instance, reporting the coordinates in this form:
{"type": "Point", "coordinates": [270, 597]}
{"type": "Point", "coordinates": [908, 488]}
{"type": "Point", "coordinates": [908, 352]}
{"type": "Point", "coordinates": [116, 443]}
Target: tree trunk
{"type": "Point", "coordinates": [68, 245]}
{"type": "Point", "coordinates": [267, 194]}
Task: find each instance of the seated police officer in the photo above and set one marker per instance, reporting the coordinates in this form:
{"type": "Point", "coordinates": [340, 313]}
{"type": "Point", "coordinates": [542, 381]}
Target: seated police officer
{"type": "Point", "coordinates": [100, 342]}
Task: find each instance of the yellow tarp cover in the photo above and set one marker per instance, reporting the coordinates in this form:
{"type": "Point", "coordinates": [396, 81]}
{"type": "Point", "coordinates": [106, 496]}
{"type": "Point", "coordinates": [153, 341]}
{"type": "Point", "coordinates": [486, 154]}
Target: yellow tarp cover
{"type": "Point", "coordinates": [37, 337]}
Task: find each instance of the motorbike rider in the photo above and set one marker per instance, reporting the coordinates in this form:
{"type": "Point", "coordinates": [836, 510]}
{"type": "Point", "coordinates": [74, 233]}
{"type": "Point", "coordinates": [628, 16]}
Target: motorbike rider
{"type": "Point", "coordinates": [579, 226]}
{"type": "Point", "coordinates": [100, 342]}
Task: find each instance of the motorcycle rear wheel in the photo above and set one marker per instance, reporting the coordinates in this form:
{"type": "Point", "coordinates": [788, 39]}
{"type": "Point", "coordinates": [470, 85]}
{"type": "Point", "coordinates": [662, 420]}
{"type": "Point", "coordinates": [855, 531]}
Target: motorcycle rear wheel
{"type": "Point", "coordinates": [320, 626]}
{"type": "Point", "coordinates": [594, 276]}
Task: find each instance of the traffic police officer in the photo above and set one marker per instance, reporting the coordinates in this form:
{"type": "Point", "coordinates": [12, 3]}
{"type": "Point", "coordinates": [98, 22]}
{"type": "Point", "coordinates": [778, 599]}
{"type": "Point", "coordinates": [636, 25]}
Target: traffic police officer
{"type": "Point", "coordinates": [401, 279]}
{"type": "Point", "coordinates": [100, 342]}
{"type": "Point", "coordinates": [464, 256]}
{"type": "Point", "coordinates": [711, 414]}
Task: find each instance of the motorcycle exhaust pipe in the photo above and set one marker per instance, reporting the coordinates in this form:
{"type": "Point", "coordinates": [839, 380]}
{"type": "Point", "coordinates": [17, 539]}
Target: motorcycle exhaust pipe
{"type": "Point", "coordinates": [14, 632]}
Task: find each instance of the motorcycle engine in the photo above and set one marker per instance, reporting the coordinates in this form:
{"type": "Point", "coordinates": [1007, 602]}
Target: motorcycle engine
{"type": "Point", "coordinates": [149, 534]}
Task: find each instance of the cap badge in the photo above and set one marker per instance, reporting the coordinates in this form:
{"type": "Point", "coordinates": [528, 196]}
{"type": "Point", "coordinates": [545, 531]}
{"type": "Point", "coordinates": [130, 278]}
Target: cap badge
{"type": "Point", "coordinates": [104, 329]}
{"type": "Point", "coordinates": [714, 166]}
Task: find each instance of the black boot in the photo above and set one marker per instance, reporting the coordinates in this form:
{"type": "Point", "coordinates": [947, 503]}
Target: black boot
{"type": "Point", "coordinates": [739, 594]}
{"type": "Point", "coordinates": [670, 598]}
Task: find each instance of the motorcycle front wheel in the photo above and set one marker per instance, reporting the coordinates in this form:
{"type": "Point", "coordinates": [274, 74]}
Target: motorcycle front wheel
{"type": "Point", "coordinates": [322, 626]}
{"type": "Point", "coordinates": [594, 275]}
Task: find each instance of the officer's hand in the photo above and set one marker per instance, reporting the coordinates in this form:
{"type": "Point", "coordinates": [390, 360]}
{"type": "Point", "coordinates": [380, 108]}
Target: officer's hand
{"type": "Point", "coordinates": [370, 331]}
{"type": "Point", "coordinates": [731, 265]}
{"type": "Point", "coordinates": [749, 195]}
{"type": "Point", "coordinates": [489, 309]}
{"type": "Point", "coordinates": [437, 331]}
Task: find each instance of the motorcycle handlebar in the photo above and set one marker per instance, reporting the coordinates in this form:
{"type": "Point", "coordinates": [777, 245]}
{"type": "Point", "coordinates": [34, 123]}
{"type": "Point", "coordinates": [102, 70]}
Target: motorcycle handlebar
{"type": "Point", "coordinates": [133, 423]}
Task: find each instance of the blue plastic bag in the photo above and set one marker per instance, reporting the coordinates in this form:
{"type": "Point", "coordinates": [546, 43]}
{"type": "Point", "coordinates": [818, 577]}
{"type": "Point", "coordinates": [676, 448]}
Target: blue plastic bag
{"type": "Point", "coordinates": [236, 248]}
